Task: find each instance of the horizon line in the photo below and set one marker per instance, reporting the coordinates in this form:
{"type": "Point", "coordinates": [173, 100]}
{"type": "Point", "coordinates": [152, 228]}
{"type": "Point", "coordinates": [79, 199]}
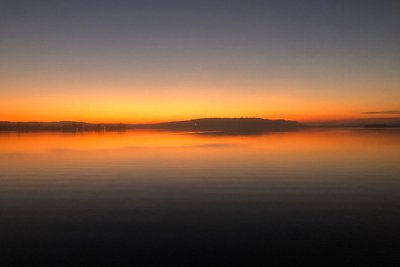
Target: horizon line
{"type": "Point", "coordinates": [199, 118]}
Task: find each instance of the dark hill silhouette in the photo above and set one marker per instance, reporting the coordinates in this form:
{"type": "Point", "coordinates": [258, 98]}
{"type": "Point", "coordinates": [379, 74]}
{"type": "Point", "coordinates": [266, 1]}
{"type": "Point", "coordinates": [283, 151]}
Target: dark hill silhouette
{"type": "Point", "coordinates": [67, 126]}
{"type": "Point", "coordinates": [206, 125]}
{"type": "Point", "coordinates": [359, 123]}
{"type": "Point", "coordinates": [224, 125]}
{"type": "Point", "coordinates": [202, 126]}
{"type": "Point", "coordinates": [381, 125]}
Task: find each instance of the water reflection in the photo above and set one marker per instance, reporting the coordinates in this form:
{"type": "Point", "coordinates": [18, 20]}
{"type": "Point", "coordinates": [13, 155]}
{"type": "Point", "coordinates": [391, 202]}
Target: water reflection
{"type": "Point", "coordinates": [173, 196]}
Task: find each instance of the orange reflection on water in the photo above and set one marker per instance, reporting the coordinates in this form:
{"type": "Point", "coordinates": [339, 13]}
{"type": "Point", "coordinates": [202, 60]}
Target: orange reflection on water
{"type": "Point", "coordinates": [161, 155]}
{"type": "Point", "coordinates": [306, 140]}
{"type": "Point", "coordinates": [307, 143]}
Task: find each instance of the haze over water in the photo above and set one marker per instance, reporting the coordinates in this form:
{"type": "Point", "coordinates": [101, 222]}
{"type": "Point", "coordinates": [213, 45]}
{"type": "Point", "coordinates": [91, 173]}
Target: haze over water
{"type": "Point", "coordinates": [159, 197]}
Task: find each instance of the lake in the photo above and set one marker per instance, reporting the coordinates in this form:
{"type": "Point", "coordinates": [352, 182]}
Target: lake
{"type": "Point", "coordinates": [157, 198]}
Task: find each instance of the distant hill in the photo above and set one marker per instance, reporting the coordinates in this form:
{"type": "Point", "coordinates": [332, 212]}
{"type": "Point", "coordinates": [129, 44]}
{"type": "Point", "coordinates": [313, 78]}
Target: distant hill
{"type": "Point", "coordinates": [204, 125]}
{"type": "Point", "coordinates": [223, 125]}
{"type": "Point", "coordinates": [359, 123]}
{"type": "Point", "coordinates": [239, 125]}
{"type": "Point", "coordinates": [66, 126]}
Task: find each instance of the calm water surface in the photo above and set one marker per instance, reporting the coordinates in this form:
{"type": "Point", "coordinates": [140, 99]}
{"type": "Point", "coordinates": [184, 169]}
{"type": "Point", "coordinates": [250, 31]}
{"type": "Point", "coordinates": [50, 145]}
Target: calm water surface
{"type": "Point", "coordinates": [158, 198]}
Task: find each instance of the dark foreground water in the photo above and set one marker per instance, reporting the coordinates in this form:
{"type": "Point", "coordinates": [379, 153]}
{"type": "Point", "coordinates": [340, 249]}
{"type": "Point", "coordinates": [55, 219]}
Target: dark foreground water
{"type": "Point", "coordinates": [157, 198]}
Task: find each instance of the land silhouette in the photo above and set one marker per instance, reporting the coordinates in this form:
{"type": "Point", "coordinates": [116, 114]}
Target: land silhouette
{"type": "Point", "coordinates": [67, 126]}
{"type": "Point", "coordinates": [203, 125]}
{"type": "Point", "coordinates": [224, 125]}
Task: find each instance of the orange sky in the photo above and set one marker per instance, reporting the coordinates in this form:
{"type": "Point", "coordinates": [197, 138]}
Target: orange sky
{"type": "Point", "coordinates": [163, 103]}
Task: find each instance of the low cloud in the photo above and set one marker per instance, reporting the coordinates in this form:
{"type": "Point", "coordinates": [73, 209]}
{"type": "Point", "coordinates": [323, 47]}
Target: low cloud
{"type": "Point", "coordinates": [382, 112]}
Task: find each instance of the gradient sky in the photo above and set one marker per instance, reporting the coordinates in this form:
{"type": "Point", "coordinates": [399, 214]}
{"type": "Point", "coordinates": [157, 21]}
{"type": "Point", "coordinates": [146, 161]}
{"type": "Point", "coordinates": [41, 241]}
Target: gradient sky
{"type": "Point", "coordinates": [147, 61]}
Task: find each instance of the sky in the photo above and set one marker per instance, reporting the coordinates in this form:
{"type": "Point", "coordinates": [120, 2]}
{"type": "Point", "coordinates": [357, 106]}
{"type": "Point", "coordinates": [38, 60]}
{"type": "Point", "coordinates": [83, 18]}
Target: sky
{"type": "Point", "coordinates": [150, 61]}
